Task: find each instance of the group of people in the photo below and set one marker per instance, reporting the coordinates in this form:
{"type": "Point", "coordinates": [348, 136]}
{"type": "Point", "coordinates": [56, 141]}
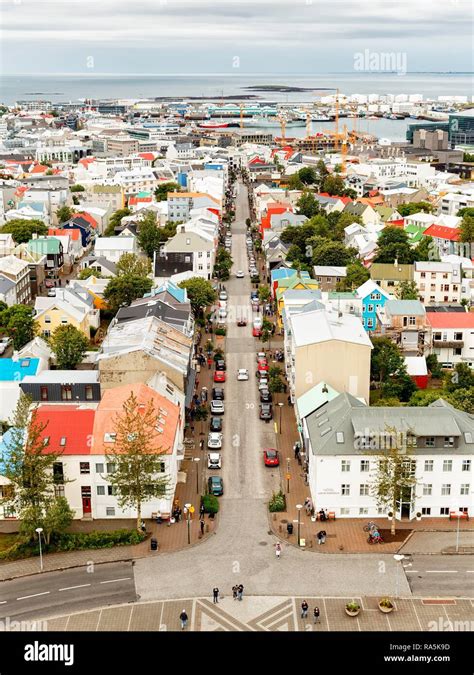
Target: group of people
{"type": "Point", "coordinates": [304, 612]}
{"type": "Point", "coordinates": [321, 537]}
{"type": "Point", "coordinates": [323, 514]}
{"type": "Point", "coordinates": [237, 593]}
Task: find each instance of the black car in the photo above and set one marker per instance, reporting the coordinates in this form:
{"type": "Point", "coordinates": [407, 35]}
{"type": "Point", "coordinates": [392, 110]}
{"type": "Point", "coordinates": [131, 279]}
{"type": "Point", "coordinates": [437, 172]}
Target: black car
{"type": "Point", "coordinates": [220, 364]}
{"type": "Point", "coordinates": [265, 396]}
{"type": "Point", "coordinates": [215, 424]}
{"type": "Point", "coordinates": [266, 412]}
{"type": "Point", "coordinates": [217, 394]}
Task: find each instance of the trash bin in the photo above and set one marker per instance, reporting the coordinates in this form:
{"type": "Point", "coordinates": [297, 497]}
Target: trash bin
{"type": "Point", "coordinates": [154, 544]}
{"type": "Point", "coordinates": [289, 528]}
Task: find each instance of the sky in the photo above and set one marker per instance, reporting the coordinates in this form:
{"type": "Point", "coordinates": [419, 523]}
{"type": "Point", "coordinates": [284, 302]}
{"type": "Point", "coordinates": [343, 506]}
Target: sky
{"type": "Point", "coordinates": [231, 36]}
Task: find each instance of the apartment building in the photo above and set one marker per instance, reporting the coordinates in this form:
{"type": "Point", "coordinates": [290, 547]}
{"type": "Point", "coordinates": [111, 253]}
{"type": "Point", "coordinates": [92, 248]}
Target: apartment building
{"type": "Point", "coordinates": [18, 272]}
{"type": "Point", "coordinates": [452, 337]}
{"type": "Point", "coordinates": [438, 282]}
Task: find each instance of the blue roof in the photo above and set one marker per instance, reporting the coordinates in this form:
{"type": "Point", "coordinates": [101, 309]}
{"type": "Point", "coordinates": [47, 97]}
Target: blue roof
{"type": "Point", "coordinates": [285, 273]}
{"type": "Point", "coordinates": [15, 371]}
{"type": "Point", "coordinates": [179, 294]}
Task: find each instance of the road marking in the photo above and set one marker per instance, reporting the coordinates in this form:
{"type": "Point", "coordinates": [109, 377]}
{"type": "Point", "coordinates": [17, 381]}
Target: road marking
{"type": "Point", "coordinates": [3, 602]}
{"type": "Point", "coordinates": [70, 588]}
{"type": "Point", "coordinates": [469, 571]}
{"type": "Point", "coordinates": [441, 571]}
{"type": "Point", "coordinates": [112, 581]}
{"type": "Point", "coordinates": [412, 571]}
{"type": "Point", "coordinates": [26, 597]}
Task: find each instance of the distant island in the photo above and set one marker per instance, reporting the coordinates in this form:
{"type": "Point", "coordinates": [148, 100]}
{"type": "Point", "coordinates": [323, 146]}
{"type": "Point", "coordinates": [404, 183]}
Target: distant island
{"type": "Point", "coordinates": [284, 88]}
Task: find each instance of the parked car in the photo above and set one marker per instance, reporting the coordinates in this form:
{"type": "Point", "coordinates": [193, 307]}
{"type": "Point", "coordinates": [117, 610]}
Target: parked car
{"type": "Point", "coordinates": [215, 485]}
{"type": "Point", "coordinates": [4, 342]}
{"type": "Point", "coordinates": [49, 283]}
{"type": "Point", "coordinates": [266, 411]}
{"type": "Point", "coordinates": [242, 374]}
{"type": "Point", "coordinates": [261, 355]}
{"type": "Point", "coordinates": [52, 293]}
{"type": "Point", "coordinates": [265, 396]}
{"type": "Point", "coordinates": [260, 372]}
{"type": "Point", "coordinates": [254, 294]}
{"type": "Point", "coordinates": [223, 295]}
{"type": "Point", "coordinates": [270, 457]}
{"type": "Point", "coordinates": [219, 376]}
{"type": "Point", "coordinates": [239, 274]}
{"type": "Point", "coordinates": [220, 364]}
{"type": "Point", "coordinates": [263, 383]}
{"type": "Point", "coordinates": [215, 424]}
{"type": "Point", "coordinates": [217, 407]}
{"type": "Point", "coordinates": [256, 332]}
{"type": "Point", "coordinates": [222, 314]}
{"type": "Point", "coordinates": [214, 440]}
{"type": "Point", "coordinates": [214, 460]}
{"type": "Point", "coordinates": [241, 321]}
{"type": "Point", "coordinates": [262, 364]}
{"type": "Point", "coordinates": [257, 322]}
{"type": "Point", "coordinates": [217, 394]}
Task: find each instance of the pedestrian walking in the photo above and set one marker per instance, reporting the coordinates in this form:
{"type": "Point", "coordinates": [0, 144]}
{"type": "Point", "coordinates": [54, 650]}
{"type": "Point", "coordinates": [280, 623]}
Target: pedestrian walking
{"type": "Point", "coordinates": [184, 619]}
{"type": "Point", "coordinates": [296, 448]}
{"type": "Point", "coordinates": [278, 550]}
{"type": "Point", "coordinates": [215, 595]}
{"type": "Point", "coordinates": [304, 610]}
{"type": "Point", "coordinates": [201, 510]}
{"type": "Point", "coordinates": [316, 615]}
{"type": "Point", "coordinates": [201, 524]}
{"type": "Point", "coordinates": [240, 592]}
{"type": "Point", "coordinates": [235, 591]}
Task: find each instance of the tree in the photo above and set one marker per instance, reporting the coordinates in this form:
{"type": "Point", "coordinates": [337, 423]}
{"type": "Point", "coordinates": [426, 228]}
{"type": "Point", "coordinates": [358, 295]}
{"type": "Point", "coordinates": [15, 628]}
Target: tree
{"type": "Point", "coordinates": [424, 397]}
{"type": "Point", "coordinates": [463, 399]}
{"type": "Point", "coordinates": [335, 186]}
{"type": "Point", "coordinates": [307, 205]}
{"type": "Point", "coordinates": [57, 517]}
{"type": "Point", "coordinates": [64, 213]}
{"type": "Point", "coordinates": [307, 175]}
{"type": "Point", "coordinates": [151, 236]}
{"type": "Point", "coordinates": [222, 264]}
{"type": "Point", "coordinates": [462, 377]}
{"type": "Point", "coordinates": [356, 275]}
{"type": "Point", "coordinates": [89, 272]}
{"type": "Point", "coordinates": [295, 183]}
{"type": "Point", "coordinates": [115, 220]}
{"type": "Point", "coordinates": [433, 366]}
{"type": "Point", "coordinates": [394, 477]}
{"type": "Point", "coordinates": [321, 172]}
{"type": "Point", "coordinates": [263, 294]}
{"type": "Point", "coordinates": [137, 457]}
{"type": "Point", "coordinates": [332, 253]}
{"type": "Point", "coordinates": [201, 293]}
{"type": "Point", "coordinates": [18, 322]}
{"type": "Point", "coordinates": [393, 245]}
{"type": "Point", "coordinates": [77, 188]}
{"type": "Point", "coordinates": [275, 382]}
{"type": "Point", "coordinates": [69, 345]}
{"type": "Point", "coordinates": [161, 192]}
{"type": "Point", "coordinates": [388, 368]}
{"type": "Point", "coordinates": [466, 229]}
{"type": "Point", "coordinates": [22, 230]}
{"type": "Point", "coordinates": [466, 211]}
{"type": "Point", "coordinates": [124, 289]}
{"type": "Point", "coordinates": [266, 334]}
{"type": "Point", "coordinates": [414, 207]}
{"type": "Point", "coordinates": [407, 290]}
{"type": "Point", "coordinates": [426, 250]}
{"type": "Point", "coordinates": [131, 263]}
{"type": "Point", "coordinates": [201, 413]}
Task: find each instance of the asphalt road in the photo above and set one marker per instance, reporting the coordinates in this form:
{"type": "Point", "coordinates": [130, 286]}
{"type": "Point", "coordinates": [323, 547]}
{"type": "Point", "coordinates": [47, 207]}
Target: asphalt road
{"type": "Point", "coordinates": [440, 575]}
{"type": "Point", "coordinates": [55, 593]}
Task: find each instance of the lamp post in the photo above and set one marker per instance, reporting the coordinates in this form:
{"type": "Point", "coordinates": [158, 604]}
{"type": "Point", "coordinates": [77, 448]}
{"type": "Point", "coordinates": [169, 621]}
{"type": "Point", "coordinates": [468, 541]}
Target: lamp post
{"type": "Point", "coordinates": [197, 460]}
{"type": "Point", "coordinates": [398, 557]}
{"type": "Point", "coordinates": [299, 507]}
{"type": "Point", "coordinates": [39, 530]}
{"type": "Point", "coordinates": [188, 518]}
{"type": "Point", "coordinates": [280, 405]}
{"type": "Point", "coordinates": [458, 515]}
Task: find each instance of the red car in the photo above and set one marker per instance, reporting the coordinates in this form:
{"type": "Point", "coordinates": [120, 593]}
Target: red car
{"type": "Point", "coordinates": [256, 332]}
{"type": "Point", "coordinates": [262, 364]}
{"type": "Point", "coordinates": [219, 376]}
{"type": "Point", "coordinates": [270, 457]}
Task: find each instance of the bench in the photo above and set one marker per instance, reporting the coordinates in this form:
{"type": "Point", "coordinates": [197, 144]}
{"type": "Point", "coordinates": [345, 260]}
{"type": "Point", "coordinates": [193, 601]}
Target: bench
{"type": "Point", "coordinates": [463, 516]}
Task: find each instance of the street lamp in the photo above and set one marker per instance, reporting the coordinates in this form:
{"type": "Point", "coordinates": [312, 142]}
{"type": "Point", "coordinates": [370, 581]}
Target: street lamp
{"type": "Point", "coordinates": [459, 515]}
{"type": "Point", "coordinates": [197, 460]}
{"type": "Point", "coordinates": [188, 518]}
{"type": "Point", "coordinates": [39, 531]}
{"type": "Point", "coordinates": [398, 557]}
{"type": "Point", "coordinates": [280, 405]}
{"type": "Point", "coordinates": [299, 507]}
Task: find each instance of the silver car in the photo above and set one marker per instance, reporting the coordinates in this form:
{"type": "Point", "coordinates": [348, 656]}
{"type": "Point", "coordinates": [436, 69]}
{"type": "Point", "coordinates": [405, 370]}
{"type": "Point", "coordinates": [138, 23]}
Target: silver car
{"type": "Point", "coordinates": [214, 440]}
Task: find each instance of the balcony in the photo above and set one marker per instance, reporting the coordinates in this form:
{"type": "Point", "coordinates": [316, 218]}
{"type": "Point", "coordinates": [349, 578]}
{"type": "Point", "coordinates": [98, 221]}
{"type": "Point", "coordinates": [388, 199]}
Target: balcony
{"type": "Point", "coordinates": [446, 344]}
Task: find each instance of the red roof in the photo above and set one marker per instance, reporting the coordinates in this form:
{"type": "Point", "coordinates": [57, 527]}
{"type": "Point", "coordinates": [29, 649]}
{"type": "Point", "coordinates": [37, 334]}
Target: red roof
{"type": "Point", "coordinates": [74, 234]}
{"type": "Point", "coordinates": [133, 201]}
{"type": "Point", "coordinates": [395, 223]}
{"type": "Point", "coordinates": [257, 160]}
{"type": "Point", "coordinates": [344, 200]}
{"type": "Point", "coordinates": [273, 209]}
{"type": "Point", "coordinates": [87, 216]}
{"type": "Point", "coordinates": [39, 168]}
{"type": "Point", "coordinates": [71, 423]}
{"type": "Point", "coordinates": [450, 319]}
{"type": "Point", "coordinates": [147, 155]}
{"type": "Point", "coordinates": [86, 160]}
{"type": "Point", "coordinates": [442, 232]}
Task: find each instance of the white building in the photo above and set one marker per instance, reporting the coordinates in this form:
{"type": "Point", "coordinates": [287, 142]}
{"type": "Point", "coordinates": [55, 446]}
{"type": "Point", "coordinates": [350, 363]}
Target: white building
{"type": "Point", "coordinates": [452, 337]}
{"type": "Point", "coordinates": [438, 282]}
{"type": "Point", "coordinates": [113, 248]}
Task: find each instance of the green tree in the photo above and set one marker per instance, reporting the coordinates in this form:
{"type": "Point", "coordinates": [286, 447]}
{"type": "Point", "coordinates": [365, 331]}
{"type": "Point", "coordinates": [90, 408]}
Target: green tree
{"type": "Point", "coordinates": [307, 175]}
{"type": "Point", "coordinates": [201, 414]}
{"type": "Point", "coordinates": [462, 377]}
{"type": "Point", "coordinates": [340, 221]}
{"type": "Point", "coordinates": [22, 230]}
{"type": "Point", "coordinates": [161, 192]}
{"type": "Point", "coordinates": [57, 517]}
{"type": "Point", "coordinates": [89, 272]}
{"type": "Point", "coordinates": [426, 250]}
{"type": "Point", "coordinates": [332, 253]}
{"type": "Point", "coordinates": [388, 369]}
{"type": "Point", "coordinates": [77, 188]}
{"type": "Point", "coordinates": [424, 397]}
{"type": "Point", "coordinates": [466, 211]}
{"type": "Point", "coordinates": [466, 229]}
{"type": "Point", "coordinates": [295, 182]}
{"type": "Point", "coordinates": [223, 264]}
{"type": "Point", "coordinates": [136, 456]}
{"type": "Point", "coordinates": [264, 294]}
{"type": "Point", "coordinates": [18, 322]}
{"type": "Point", "coordinates": [201, 294]}
{"type": "Point", "coordinates": [115, 220]}
{"type": "Point", "coordinates": [307, 205]}
{"type": "Point", "coordinates": [407, 290]}
{"type": "Point", "coordinates": [151, 236]}
{"type": "Point", "coordinates": [131, 263]}
{"type": "Point", "coordinates": [414, 207]}
{"type": "Point", "coordinates": [69, 345]}
{"type": "Point", "coordinates": [393, 245]}
{"type": "Point", "coordinates": [64, 213]}
{"type": "Point", "coordinates": [321, 172]}
{"type": "Point", "coordinates": [335, 186]}
{"type": "Point", "coordinates": [463, 399]}
{"type": "Point", "coordinates": [124, 289]}
{"type": "Point", "coordinates": [356, 275]}
{"type": "Point", "coordinates": [434, 366]}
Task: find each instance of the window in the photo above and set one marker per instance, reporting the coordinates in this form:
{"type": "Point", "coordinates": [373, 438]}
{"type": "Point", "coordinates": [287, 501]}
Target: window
{"type": "Point", "coordinates": [59, 490]}
{"type": "Point", "coordinates": [423, 275]}
{"type": "Point", "coordinates": [444, 511]}
{"type": "Point", "coordinates": [99, 468]}
{"type": "Point", "coordinates": [101, 490]}
{"type": "Point", "coordinates": [458, 336]}
{"type": "Point", "coordinates": [412, 321]}
{"type": "Point", "coordinates": [464, 490]}
{"type": "Point", "coordinates": [44, 393]}
{"type": "Point", "coordinates": [427, 489]}
{"type": "Point", "coordinates": [110, 467]}
{"type": "Point", "coordinates": [109, 438]}
{"type": "Point", "coordinates": [364, 465]}
{"type": "Point", "coordinates": [364, 490]}
{"type": "Point", "coordinates": [62, 441]}
{"type": "Point", "coordinates": [447, 465]}
{"type": "Point", "coordinates": [47, 319]}
{"type": "Point", "coordinates": [111, 490]}
{"type": "Point", "coordinates": [85, 467]}
{"type": "Point", "coordinates": [430, 442]}
{"type": "Point", "coordinates": [66, 392]}
{"type": "Point", "coordinates": [58, 472]}
{"type": "Point", "coordinates": [110, 511]}
{"type": "Point", "coordinates": [449, 441]}
{"type": "Point", "coordinates": [345, 465]}
{"type": "Point", "coordinates": [429, 465]}
{"type": "Point", "coordinates": [363, 511]}
{"type": "Point", "coordinates": [466, 464]}
{"type": "Point", "coordinates": [344, 511]}
{"type": "Point", "coordinates": [426, 511]}
{"type": "Point", "coordinates": [345, 489]}
{"type": "Point", "coordinates": [370, 308]}
{"type": "Point", "coordinates": [446, 489]}
{"type": "Point", "coordinates": [370, 323]}
{"type": "Point", "coordinates": [89, 392]}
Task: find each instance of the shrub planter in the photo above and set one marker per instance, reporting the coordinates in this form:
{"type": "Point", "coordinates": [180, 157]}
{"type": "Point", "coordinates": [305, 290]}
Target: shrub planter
{"type": "Point", "coordinates": [352, 609]}
{"type": "Point", "coordinates": [386, 606]}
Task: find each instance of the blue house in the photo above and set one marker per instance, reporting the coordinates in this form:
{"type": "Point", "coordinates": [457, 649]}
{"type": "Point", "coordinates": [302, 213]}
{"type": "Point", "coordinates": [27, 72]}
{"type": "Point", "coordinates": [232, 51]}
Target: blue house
{"type": "Point", "coordinates": [372, 297]}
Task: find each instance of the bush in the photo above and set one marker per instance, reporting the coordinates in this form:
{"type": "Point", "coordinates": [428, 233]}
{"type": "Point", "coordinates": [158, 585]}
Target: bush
{"type": "Point", "coordinates": [210, 504]}
{"type": "Point", "coordinates": [220, 331]}
{"type": "Point", "coordinates": [386, 602]}
{"type": "Point", "coordinates": [277, 502]}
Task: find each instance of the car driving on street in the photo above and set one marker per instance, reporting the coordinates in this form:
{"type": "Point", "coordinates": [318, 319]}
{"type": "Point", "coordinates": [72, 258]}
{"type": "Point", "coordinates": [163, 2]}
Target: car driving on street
{"type": "Point", "coordinates": [242, 374]}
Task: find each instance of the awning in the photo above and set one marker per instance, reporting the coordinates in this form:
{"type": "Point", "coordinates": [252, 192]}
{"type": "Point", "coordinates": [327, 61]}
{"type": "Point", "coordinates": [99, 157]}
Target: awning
{"type": "Point", "coordinates": [190, 387]}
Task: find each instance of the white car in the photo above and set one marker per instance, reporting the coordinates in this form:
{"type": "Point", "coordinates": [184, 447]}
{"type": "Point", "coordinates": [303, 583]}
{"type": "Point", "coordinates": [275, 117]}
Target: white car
{"type": "Point", "coordinates": [223, 295]}
{"type": "Point", "coordinates": [4, 342]}
{"type": "Point", "coordinates": [214, 460]}
{"type": "Point", "coordinates": [217, 407]}
{"type": "Point", "coordinates": [214, 440]}
{"type": "Point", "coordinates": [242, 374]}
{"type": "Point", "coordinates": [52, 293]}
{"type": "Point", "coordinates": [222, 314]}
{"type": "Point", "coordinates": [239, 275]}
{"type": "Point", "coordinates": [257, 322]}
{"type": "Point", "coordinates": [262, 383]}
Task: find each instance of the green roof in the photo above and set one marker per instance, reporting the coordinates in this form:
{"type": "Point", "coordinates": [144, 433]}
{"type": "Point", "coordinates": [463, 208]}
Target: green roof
{"type": "Point", "coordinates": [314, 398]}
{"type": "Point", "coordinates": [342, 295]}
{"type": "Point", "coordinates": [44, 245]}
{"type": "Point", "coordinates": [383, 271]}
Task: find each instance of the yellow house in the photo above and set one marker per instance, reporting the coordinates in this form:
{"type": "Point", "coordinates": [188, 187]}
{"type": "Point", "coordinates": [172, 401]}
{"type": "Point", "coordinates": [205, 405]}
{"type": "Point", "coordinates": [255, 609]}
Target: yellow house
{"type": "Point", "coordinates": [50, 315]}
{"type": "Point", "coordinates": [294, 283]}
